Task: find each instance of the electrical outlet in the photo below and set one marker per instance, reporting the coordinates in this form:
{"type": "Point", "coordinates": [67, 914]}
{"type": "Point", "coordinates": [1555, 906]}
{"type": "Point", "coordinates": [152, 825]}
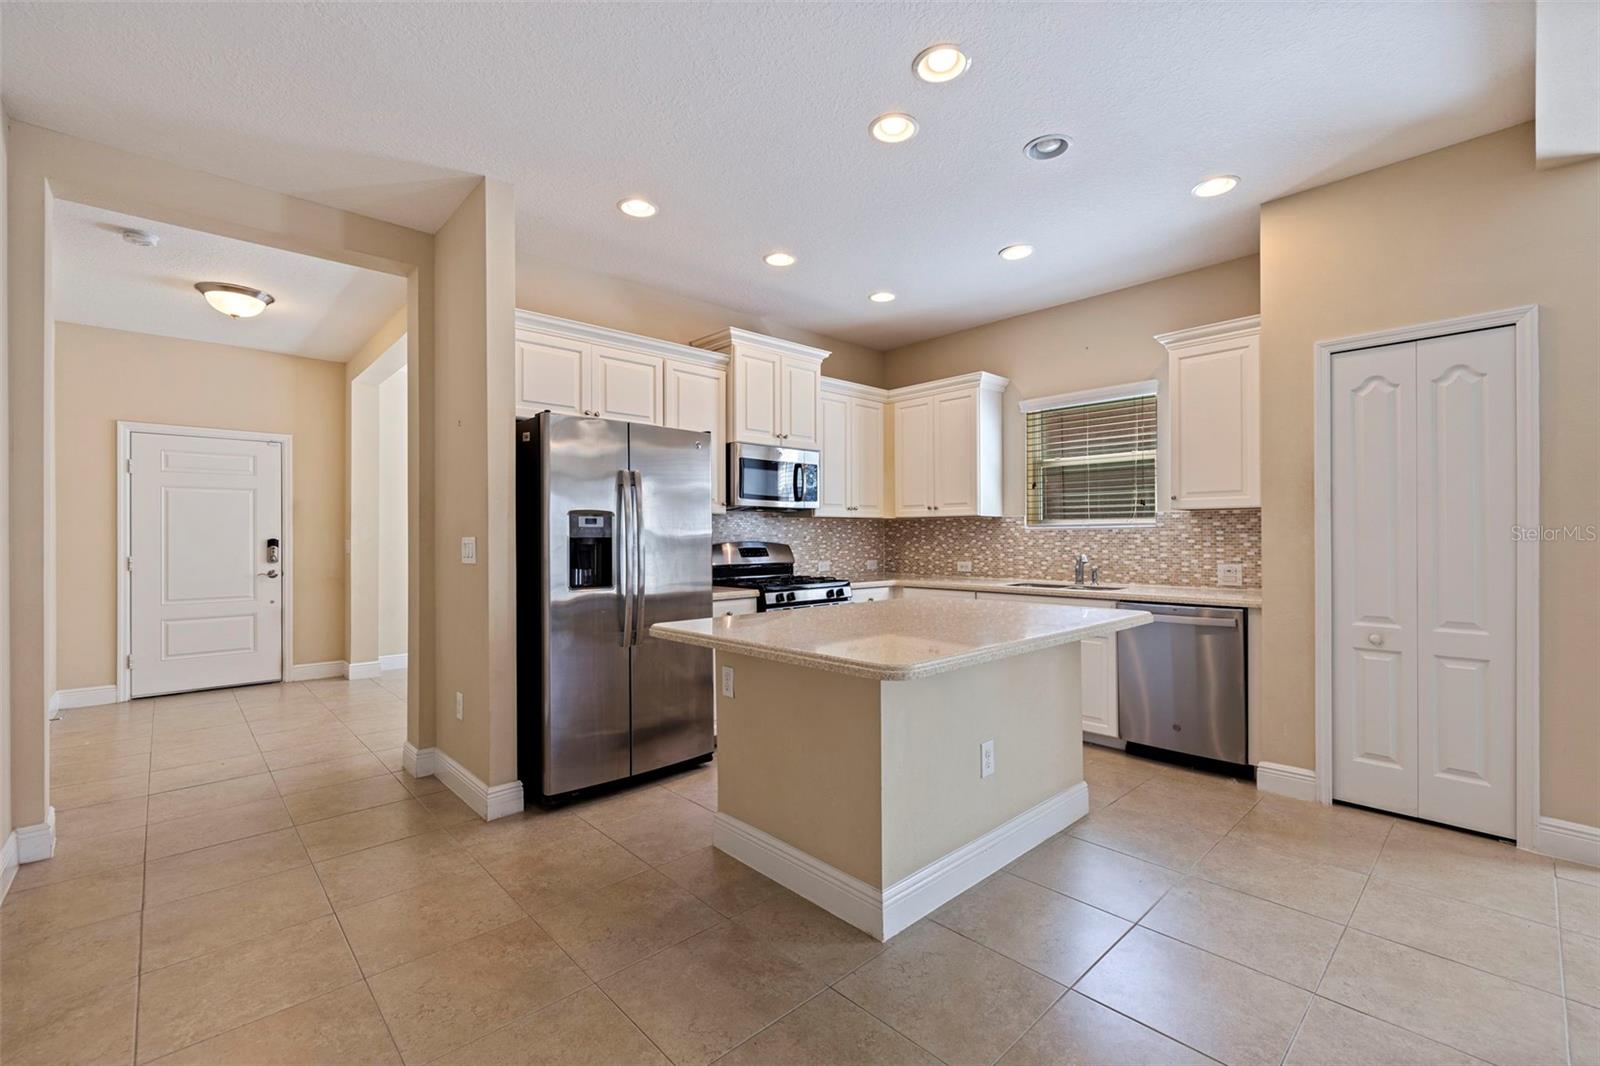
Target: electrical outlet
{"type": "Point", "coordinates": [824, 565]}
{"type": "Point", "coordinates": [469, 550]}
{"type": "Point", "coordinates": [727, 681]}
{"type": "Point", "coordinates": [987, 763]}
{"type": "Point", "coordinates": [459, 706]}
{"type": "Point", "coordinates": [1230, 574]}
{"type": "Point", "coordinates": [964, 567]}
{"type": "Point", "coordinates": [872, 564]}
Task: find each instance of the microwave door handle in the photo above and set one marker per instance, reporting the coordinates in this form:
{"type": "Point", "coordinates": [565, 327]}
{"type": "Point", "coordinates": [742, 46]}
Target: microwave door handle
{"type": "Point", "coordinates": [637, 480]}
{"type": "Point", "coordinates": [620, 548]}
{"type": "Point", "coordinates": [799, 483]}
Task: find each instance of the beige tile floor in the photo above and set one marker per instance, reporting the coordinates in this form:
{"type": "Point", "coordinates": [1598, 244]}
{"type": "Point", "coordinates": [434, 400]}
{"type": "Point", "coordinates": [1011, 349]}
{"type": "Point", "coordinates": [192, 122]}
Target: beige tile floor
{"type": "Point", "coordinates": [249, 877]}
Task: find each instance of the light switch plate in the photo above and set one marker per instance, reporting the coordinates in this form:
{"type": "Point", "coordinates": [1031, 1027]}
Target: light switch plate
{"type": "Point", "coordinates": [1230, 574]}
{"type": "Point", "coordinates": [964, 567]}
{"type": "Point", "coordinates": [872, 564]}
{"type": "Point", "coordinates": [460, 707]}
{"type": "Point", "coordinates": [469, 550]}
{"type": "Point", "coordinates": [987, 759]}
{"type": "Point", "coordinates": [727, 681]}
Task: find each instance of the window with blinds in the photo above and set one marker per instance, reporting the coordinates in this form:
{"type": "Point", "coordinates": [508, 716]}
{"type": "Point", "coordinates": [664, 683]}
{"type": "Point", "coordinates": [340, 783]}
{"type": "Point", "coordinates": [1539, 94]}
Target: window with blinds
{"type": "Point", "coordinates": [1092, 462]}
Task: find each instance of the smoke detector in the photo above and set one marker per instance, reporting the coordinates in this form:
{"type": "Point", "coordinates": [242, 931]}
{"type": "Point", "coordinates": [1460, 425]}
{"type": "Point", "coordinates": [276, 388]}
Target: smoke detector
{"type": "Point", "coordinates": [143, 238]}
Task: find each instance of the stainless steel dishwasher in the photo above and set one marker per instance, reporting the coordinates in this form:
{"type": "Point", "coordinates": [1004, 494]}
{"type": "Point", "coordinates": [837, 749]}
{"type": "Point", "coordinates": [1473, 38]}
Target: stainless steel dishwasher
{"type": "Point", "coordinates": [1180, 681]}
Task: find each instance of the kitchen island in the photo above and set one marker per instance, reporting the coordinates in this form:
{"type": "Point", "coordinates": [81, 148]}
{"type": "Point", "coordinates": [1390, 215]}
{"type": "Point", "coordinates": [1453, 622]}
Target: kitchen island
{"type": "Point", "coordinates": [881, 759]}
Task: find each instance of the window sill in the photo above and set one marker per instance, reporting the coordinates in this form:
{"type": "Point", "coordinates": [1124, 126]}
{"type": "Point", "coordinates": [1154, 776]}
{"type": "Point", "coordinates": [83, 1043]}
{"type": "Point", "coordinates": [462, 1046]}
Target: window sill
{"type": "Point", "coordinates": [1092, 523]}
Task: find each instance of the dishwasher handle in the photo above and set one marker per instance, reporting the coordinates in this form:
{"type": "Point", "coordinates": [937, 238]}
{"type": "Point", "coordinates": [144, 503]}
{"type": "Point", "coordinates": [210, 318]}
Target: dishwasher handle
{"type": "Point", "coordinates": [1186, 620]}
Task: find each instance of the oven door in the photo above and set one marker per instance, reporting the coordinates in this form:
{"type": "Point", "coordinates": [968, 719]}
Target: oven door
{"type": "Point", "coordinates": [763, 476]}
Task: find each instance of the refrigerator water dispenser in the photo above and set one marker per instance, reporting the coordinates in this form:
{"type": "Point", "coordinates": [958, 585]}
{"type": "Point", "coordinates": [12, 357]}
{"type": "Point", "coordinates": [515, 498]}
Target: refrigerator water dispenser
{"type": "Point", "coordinates": [589, 549]}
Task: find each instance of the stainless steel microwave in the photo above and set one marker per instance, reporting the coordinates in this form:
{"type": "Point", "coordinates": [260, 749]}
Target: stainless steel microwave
{"type": "Point", "coordinates": [760, 475]}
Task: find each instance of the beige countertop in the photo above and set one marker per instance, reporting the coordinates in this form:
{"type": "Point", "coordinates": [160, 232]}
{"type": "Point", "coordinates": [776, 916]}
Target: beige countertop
{"type": "Point", "coordinates": [1202, 595]}
{"type": "Point", "coordinates": [900, 640]}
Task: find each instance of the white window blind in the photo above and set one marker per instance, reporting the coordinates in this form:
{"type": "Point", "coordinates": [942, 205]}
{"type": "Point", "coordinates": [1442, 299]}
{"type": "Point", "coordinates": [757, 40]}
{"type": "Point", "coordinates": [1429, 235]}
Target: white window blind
{"type": "Point", "coordinates": [1092, 461]}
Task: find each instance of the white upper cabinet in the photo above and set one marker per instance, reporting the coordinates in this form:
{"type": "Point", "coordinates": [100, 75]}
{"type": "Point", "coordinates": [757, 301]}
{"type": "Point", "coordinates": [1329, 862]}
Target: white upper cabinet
{"type": "Point", "coordinates": [697, 398]}
{"type": "Point", "coordinates": [850, 437]}
{"type": "Point", "coordinates": [1213, 411]}
{"type": "Point", "coordinates": [626, 386]}
{"type": "Point", "coordinates": [552, 375]}
{"type": "Point", "coordinates": [947, 447]}
{"type": "Point", "coordinates": [775, 386]}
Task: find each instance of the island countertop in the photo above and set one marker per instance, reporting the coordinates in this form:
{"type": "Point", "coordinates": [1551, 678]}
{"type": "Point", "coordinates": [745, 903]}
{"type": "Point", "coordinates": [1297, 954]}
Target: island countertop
{"type": "Point", "coordinates": [899, 640]}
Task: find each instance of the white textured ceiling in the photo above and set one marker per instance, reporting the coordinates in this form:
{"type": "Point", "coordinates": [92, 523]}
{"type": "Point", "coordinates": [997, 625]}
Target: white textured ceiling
{"type": "Point", "coordinates": [747, 124]}
{"type": "Point", "coordinates": [323, 309]}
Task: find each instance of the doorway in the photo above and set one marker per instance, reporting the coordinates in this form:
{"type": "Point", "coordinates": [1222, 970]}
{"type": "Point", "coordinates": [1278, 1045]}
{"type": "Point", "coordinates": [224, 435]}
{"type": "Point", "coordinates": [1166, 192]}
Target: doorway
{"type": "Point", "coordinates": [203, 517]}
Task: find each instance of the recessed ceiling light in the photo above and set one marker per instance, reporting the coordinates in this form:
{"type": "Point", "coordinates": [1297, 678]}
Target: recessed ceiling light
{"type": "Point", "coordinates": [1215, 186]}
{"type": "Point", "coordinates": [235, 301]}
{"type": "Point", "coordinates": [1047, 146]}
{"type": "Point", "coordinates": [881, 297]}
{"type": "Point", "coordinates": [942, 62]}
{"type": "Point", "coordinates": [778, 259]}
{"type": "Point", "coordinates": [1016, 251]}
{"type": "Point", "coordinates": [634, 207]}
{"type": "Point", "coordinates": [893, 127]}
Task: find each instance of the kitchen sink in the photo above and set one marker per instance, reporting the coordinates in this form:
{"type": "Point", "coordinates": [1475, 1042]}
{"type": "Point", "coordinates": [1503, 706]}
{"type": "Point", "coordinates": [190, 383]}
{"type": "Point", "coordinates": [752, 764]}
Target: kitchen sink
{"type": "Point", "coordinates": [1062, 585]}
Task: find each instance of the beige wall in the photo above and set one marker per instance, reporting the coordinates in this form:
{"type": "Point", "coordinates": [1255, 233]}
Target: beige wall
{"type": "Point", "coordinates": [105, 375]}
{"type": "Point", "coordinates": [473, 409]}
{"type": "Point", "coordinates": [558, 289]}
{"type": "Point", "coordinates": [366, 369]}
{"type": "Point", "coordinates": [1103, 340]}
{"type": "Point", "coordinates": [392, 514]}
{"type": "Point", "coordinates": [1467, 229]}
{"type": "Point", "coordinates": [5, 498]}
{"type": "Point", "coordinates": [44, 166]}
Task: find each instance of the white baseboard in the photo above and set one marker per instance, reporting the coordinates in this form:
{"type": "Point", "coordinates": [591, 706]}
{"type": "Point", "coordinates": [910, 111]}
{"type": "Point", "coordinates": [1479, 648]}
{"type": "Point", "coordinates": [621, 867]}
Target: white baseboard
{"type": "Point", "coordinates": [394, 662]}
{"type": "Point", "coordinates": [317, 671]}
{"type": "Point", "coordinates": [8, 865]}
{"type": "Point", "coordinates": [93, 696]}
{"type": "Point", "coordinates": [1290, 781]}
{"type": "Point", "coordinates": [490, 801]}
{"type": "Point", "coordinates": [37, 842]}
{"type": "Point", "coordinates": [1572, 841]}
{"type": "Point", "coordinates": [357, 671]}
{"type": "Point", "coordinates": [884, 913]}
{"type": "Point", "coordinates": [418, 762]}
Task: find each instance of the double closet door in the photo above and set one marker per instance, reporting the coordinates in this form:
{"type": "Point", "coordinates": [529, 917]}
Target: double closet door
{"type": "Point", "coordinates": [1424, 578]}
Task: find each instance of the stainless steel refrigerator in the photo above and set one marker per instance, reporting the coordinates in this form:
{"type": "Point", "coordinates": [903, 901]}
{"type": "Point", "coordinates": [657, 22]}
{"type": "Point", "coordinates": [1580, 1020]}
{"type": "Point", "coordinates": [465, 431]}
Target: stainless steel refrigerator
{"type": "Point", "coordinates": [613, 535]}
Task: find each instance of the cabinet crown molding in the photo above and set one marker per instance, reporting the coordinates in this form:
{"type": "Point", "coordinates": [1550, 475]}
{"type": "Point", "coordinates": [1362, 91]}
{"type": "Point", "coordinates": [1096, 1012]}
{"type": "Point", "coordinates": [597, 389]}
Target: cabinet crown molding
{"type": "Point", "coordinates": [841, 387]}
{"type": "Point", "coordinates": [982, 380]}
{"type": "Point", "coordinates": [725, 340]}
{"type": "Point", "coordinates": [616, 338]}
{"type": "Point", "coordinates": [1215, 331]}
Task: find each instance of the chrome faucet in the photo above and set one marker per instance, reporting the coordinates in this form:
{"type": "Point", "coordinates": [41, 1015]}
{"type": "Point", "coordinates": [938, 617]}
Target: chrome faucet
{"type": "Point", "coordinates": [1077, 570]}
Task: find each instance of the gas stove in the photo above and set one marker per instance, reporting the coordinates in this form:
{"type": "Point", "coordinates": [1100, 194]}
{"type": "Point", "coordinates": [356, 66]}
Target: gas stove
{"type": "Point", "coordinates": [768, 568]}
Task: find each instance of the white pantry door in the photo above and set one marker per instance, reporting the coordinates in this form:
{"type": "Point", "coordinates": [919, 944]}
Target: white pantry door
{"type": "Point", "coordinates": [206, 603]}
{"type": "Point", "coordinates": [1424, 578]}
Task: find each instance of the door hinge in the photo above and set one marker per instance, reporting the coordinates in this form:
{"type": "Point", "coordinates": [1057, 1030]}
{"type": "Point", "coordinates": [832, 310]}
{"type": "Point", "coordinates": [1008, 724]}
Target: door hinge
{"type": "Point", "coordinates": [130, 564]}
{"type": "Point", "coordinates": [130, 465]}
{"type": "Point", "coordinates": [130, 662]}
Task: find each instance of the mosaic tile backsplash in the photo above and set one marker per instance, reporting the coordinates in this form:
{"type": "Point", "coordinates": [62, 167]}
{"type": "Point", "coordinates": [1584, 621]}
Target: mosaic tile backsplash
{"type": "Point", "coordinates": [1182, 548]}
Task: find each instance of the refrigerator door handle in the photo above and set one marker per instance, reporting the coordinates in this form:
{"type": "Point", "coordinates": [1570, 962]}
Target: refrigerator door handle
{"type": "Point", "coordinates": [623, 547]}
{"type": "Point", "coordinates": [637, 570]}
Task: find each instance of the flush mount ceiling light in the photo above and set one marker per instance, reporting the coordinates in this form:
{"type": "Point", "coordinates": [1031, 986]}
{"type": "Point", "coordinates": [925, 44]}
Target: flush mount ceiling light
{"type": "Point", "coordinates": [141, 238]}
{"type": "Point", "coordinates": [893, 128]}
{"type": "Point", "coordinates": [235, 301]}
{"type": "Point", "coordinates": [1047, 146]}
{"type": "Point", "coordinates": [942, 62]}
{"type": "Point", "coordinates": [1215, 186]}
{"type": "Point", "coordinates": [881, 297]}
{"type": "Point", "coordinates": [778, 259]}
{"type": "Point", "coordinates": [1016, 251]}
{"type": "Point", "coordinates": [635, 207]}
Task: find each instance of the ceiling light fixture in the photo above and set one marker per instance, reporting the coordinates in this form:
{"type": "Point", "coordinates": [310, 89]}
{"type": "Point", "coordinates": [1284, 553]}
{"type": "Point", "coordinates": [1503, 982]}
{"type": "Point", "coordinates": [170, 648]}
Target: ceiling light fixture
{"type": "Point", "coordinates": [1014, 252]}
{"type": "Point", "coordinates": [778, 259]}
{"type": "Point", "coordinates": [893, 127]}
{"type": "Point", "coordinates": [881, 297]}
{"type": "Point", "coordinates": [1215, 186]}
{"type": "Point", "coordinates": [636, 207]}
{"type": "Point", "coordinates": [235, 301]}
{"type": "Point", "coordinates": [1047, 146]}
{"type": "Point", "coordinates": [942, 62]}
{"type": "Point", "coordinates": [142, 238]}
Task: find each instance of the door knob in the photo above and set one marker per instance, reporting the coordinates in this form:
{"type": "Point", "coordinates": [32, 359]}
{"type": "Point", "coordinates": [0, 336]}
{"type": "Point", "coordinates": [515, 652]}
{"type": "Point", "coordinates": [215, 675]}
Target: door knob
{"type": "Point", "coordinates": [268, 573]}
{"type": "Point", "coordinates": [1375, 639]}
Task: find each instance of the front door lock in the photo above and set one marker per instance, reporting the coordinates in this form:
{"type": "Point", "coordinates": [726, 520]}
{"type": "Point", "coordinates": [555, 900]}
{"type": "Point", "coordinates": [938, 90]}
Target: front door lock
{"type": "Point", "coordinates": [268, 573]}
{"type": "Point", "coordinates": [272, 550]}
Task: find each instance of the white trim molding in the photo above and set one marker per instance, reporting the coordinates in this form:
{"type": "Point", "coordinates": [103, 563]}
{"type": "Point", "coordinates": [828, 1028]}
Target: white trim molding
{"type": "Point", "coordinates": [584, 331]}
{"type": "Point", "coordinates": [726, 340]}
{"type": "Point", "coordinates": [981, 380]}
{"type": "Point", "coordinates": [358, 671]}
{"type": "Point", "coordinates": [1232, 329]}
{"type": "Point", "coordinates": [93, 696]}
{"type": "Point", "coordinates": [883, 913]}
{"type": "Point", "coordinates": [8, 864]}
{"type": "Point", "coordinates": [394, 662]}
{"type": "Point", "coordinates": [418, 762]}
{"type": "Point", "coordinates": [1572, 841]}
{"type": "Point", "coordinates": [37, 842]}
{"type": "Point", "coordinates": [1525, 321]}
{"type": "Point", "coordinates": [490, 801]}
{"type": "Point", "coordinates": [317, 671]}
{"type": "Point", "coordinates": [1151, 387]}
{"type": "Point", "coordinates": [1292, 781]}
{"type": "Point", "coordinates": [285, 441]}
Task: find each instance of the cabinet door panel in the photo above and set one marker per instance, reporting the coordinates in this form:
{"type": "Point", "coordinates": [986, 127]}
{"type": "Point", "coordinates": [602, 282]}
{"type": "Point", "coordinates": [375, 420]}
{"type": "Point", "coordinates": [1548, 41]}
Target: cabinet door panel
{"type": "Point", "coordinates": [802, 380]}
{"type": "Point", "coordinates": [913, 457]}
{"type": "Point", "coordinates": [696, 398]}
{"type": "Point", "coordinates": [550, 376]}
{"type": "Point", "coordinates": [757, 385]}
{"type": "Point", "coordinates": [955, 453]}
{"type": "Point", "coordinates": [1216, 430]}
{"type": "Point", "coordinates": [866, 458]}
{"type": "Point", "coordinates": [833, 492]}
{"type": "Point", "coordinates": [626, 386]}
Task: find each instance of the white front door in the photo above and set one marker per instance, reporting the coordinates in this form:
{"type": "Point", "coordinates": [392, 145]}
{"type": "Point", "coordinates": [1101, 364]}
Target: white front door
{"type": "Point", "coordinates": [1424, 578]}
{"type": "Point", "coordinates": [206, 601]}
